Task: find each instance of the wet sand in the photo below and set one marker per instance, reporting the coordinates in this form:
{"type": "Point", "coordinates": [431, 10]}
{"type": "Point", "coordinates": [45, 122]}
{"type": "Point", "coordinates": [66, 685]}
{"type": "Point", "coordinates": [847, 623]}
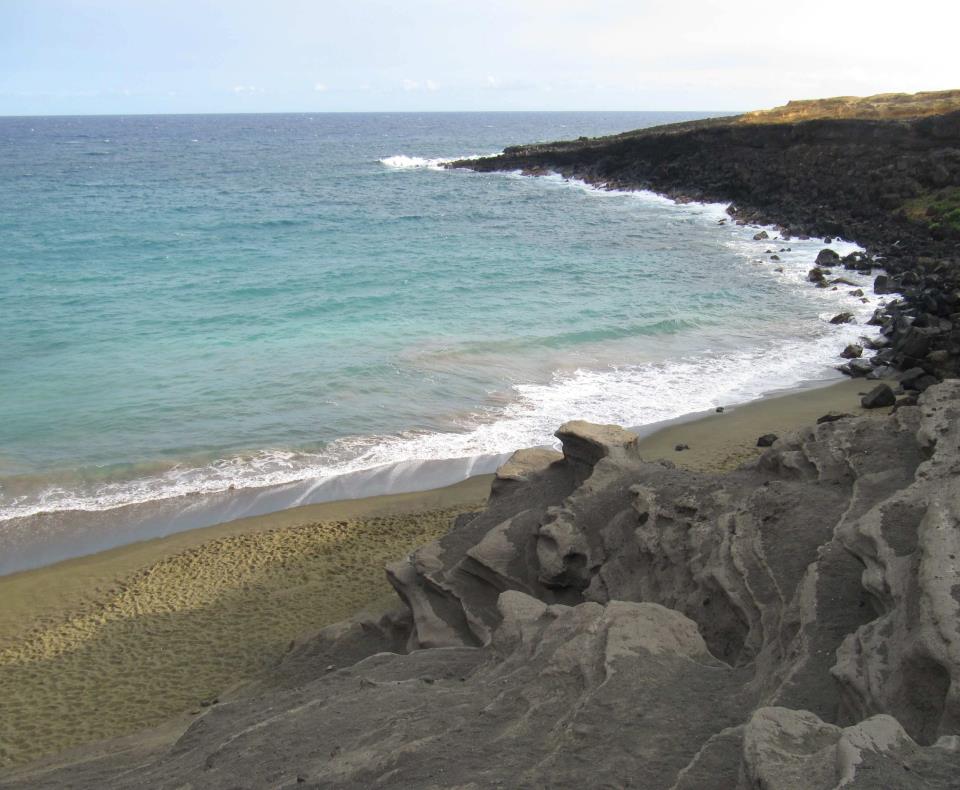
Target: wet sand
{"type": "Point", "coordinates": [104, 645]}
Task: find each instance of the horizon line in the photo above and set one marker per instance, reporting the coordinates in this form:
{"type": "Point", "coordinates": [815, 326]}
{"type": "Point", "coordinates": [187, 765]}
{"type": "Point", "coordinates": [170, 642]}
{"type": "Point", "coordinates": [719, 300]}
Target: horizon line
{"type": "Point", "coordinates": [346, 112]}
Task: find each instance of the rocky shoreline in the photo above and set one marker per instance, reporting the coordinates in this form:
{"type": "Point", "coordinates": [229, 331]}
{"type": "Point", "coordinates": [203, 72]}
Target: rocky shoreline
{"type": "Point", "coordinates": [607, 621]}
{"type": "Point", "coordinates": [611, 621]}
{"type": "Point", "coordinates": [874, 182]}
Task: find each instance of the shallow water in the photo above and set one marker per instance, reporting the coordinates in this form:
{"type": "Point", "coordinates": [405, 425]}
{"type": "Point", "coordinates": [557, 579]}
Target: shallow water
{"type": "Point", "coordinates": [198, 302]}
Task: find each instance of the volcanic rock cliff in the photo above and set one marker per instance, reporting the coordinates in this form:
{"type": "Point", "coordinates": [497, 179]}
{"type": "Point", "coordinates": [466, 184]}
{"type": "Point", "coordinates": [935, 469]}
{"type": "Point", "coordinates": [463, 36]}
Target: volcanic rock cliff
{"type": "Point", "coordinates": [809, 168]}
{"type": "Point", "coordinates": [611, 622]}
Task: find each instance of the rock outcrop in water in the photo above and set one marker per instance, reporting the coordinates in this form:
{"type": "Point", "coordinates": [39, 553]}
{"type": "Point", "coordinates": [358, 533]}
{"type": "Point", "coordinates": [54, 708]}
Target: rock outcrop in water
{"type": "Point", "coordinates": [610, 622]}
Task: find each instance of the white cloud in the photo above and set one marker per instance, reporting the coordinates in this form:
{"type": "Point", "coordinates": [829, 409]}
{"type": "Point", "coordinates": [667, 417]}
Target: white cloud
{"type": "Point", "coordinates": [320, 87]}
{"type": "Point", "coordinates": [415, 85]}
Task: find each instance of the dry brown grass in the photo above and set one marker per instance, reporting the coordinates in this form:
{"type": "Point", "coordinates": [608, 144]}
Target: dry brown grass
{"type": "Point", "coordinates": [883, 106]}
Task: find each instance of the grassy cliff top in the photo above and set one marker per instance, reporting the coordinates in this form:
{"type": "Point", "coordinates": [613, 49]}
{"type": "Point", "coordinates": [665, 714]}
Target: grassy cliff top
{"type": "Point", "coordinates": [883, 106]}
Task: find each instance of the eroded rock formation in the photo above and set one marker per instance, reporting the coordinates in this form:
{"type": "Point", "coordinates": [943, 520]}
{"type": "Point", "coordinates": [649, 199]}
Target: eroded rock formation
{"type": "Point", "coordinates": [611, 622]}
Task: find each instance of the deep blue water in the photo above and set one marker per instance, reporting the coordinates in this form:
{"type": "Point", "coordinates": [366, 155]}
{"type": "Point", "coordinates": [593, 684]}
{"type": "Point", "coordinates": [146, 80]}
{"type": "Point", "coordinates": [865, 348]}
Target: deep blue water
{"type": "Point", "coordinates": [193, 302]}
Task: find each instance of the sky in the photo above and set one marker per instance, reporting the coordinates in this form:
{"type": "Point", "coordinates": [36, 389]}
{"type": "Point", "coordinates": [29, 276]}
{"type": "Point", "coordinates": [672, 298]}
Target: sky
{"type": "Point", "coordinates": [182, 56]}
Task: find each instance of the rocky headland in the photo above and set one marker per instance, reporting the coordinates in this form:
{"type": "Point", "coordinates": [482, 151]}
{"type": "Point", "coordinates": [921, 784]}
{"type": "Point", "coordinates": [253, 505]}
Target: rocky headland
{"type": "Point", "coordinates": [883, 171]}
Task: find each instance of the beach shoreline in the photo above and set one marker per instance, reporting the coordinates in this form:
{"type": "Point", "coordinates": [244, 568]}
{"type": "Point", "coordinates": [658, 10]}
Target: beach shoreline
{"type": "Point", "coordinates": [201, 606]}
{"type": "Point", "coordinates": [42, 540]}
{"type": "Point", "coordinates": [104, 645]}
{"type": "Point", "coordinates": [45, 537]}
{"type": "Point", "coordinates": [152, 621]}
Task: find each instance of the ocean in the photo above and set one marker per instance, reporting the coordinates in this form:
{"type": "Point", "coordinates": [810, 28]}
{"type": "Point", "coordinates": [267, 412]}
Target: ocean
{"type": "Point", "coordinates": [231, 309]}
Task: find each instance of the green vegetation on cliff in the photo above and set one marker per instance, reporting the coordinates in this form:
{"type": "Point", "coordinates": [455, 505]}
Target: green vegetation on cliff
{"type": "Point", "coordinates": [938, 210]}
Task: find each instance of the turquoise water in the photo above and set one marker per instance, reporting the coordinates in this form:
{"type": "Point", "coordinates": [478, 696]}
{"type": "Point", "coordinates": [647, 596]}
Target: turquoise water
{"type": "Point", "coordinates": [198, 302]}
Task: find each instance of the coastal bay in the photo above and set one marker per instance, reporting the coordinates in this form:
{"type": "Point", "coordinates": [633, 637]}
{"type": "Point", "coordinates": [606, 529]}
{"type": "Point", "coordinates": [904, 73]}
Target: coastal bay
{"type": "Point", "coordinates": [498, 396]}
{"type": "Point", "coordinates": [105, 645]}
{"type": "Point", "coordinates": [277, 321]}
{"type": "Point", "coordinates": [153, 641]}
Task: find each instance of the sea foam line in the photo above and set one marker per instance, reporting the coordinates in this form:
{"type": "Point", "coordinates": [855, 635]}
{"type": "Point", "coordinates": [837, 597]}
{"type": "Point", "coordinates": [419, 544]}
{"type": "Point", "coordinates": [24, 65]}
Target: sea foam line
{"type": "Point", "coordinates": [630, 395]}
{"type": "Point", "coordinates": [404, 162]}
{"type": "Point", "coordinates": [633, 395]}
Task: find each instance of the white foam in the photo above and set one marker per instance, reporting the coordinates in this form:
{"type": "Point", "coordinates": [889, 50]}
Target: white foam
{"type": "Point", "coordinates": [403, 162]}
{"type": "Point", "coordinates": [634, 395]}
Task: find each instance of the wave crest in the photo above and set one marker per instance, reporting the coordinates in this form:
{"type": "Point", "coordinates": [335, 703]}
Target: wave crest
{"type": "Point", "coordinates": [404, 162]}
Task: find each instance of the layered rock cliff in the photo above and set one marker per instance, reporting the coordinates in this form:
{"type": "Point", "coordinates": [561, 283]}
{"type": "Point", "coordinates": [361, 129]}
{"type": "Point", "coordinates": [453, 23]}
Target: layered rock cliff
{"type": "Point", "coordinates": [611, 622]}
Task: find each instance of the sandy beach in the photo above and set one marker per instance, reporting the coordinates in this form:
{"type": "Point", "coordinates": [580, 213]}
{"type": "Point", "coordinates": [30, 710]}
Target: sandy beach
{"type": "Point", "coordinates": [104, 645]}
{"type": "Point", "coordinates": [101, 646]}
{"type": "Point", "coordinates": [722, 441]}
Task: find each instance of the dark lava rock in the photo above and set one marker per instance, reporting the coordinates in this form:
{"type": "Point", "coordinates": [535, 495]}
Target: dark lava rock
{"type": "Point", "coordinates": [719, 409]}
{"type": "Point", "coordinates": [842, 318]}
{"type": "Point", "coordinates": [842, 281]}
{"type": "Point", "coordinates": [908, 377]}
{"type": "Point", "coordinates": [767, 440]}
{"type": "Point", "coordinates": [878, 397]}
{"type": "Point", "coordinates": [853, 351]}
{"type": "Point", "coordinates": [881, 372]}
{"type": "Point", "coordinates": [939, 357]}
{"type": "Point", "coordinates": [761, 236]}
{"type": "Point", "coordinates": [827, 257]}
{"type": "Point", "coordinates": [857, 261]}
{"type": "Point", "coordinates": [774, 257]}
{"type": "Point", "coordinates": [922, 384]}
{"type": "Point", "coordinates": [883, 357]}
{"type": "Point", "coordinates": [885, 285]}
{"type": "Point", "coordinates": [682, 447]}
{"type": "Point", "coordinates": [915, 342]}
{"type": "Point", "coordinates": [832, 416]}
{"type": "Point", "coordinates": [858, 368]}
{"type": "Point", "coordinates": [816, 275]}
